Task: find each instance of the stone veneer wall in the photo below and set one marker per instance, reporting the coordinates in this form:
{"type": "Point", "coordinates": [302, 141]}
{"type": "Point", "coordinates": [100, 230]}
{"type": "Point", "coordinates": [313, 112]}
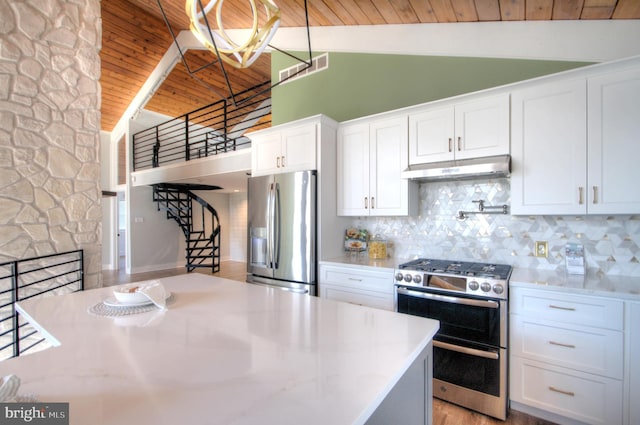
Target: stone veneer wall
{"type": "Point", "coordinates": [612, 243]}
{"type": "Point", "coordinates": [49, 130]}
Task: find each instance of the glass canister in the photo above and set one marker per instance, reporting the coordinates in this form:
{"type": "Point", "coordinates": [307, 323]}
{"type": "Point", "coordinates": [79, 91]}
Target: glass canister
{"type": "Point", "coordinates": [377, 248]}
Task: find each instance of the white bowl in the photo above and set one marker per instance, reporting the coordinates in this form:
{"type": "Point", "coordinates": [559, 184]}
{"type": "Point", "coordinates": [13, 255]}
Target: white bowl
{"type": "Point", "coordinates": [128, 294]}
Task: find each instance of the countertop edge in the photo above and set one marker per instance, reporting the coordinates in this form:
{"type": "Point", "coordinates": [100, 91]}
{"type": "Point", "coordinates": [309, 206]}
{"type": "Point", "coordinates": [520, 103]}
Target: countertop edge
{"type": "Point", "coordinates": [387, 264]}
{"type": "Point", "coordinates": [625, 288]}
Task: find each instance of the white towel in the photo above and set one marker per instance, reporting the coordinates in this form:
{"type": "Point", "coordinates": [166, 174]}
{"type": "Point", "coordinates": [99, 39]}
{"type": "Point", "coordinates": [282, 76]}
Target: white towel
{"type": "Point", "coordinates": [154, 290]}
{"type": "Point", "coordinates": [9, 387]}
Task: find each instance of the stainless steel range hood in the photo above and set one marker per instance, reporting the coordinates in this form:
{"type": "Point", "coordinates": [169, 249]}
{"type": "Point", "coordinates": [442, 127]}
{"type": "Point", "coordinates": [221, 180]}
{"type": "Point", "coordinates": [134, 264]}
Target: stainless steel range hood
{"type": "Point", "coordinates": [476, 168]}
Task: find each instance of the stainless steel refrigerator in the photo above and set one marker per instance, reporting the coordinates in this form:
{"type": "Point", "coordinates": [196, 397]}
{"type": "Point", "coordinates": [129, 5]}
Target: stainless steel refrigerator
{"type": "Point", "coordinates": [281, 234]}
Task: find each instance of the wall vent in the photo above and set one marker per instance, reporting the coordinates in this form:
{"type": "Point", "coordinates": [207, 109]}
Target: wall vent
{"type": "Point", "coordinates": [318, 63]}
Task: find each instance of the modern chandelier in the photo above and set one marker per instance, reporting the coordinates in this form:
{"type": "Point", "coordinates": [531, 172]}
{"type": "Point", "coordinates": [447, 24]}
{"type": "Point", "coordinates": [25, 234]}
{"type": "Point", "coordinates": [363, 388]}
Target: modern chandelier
{"type": "Point", "coordinates": [206, 24]}
{"type": "Point", "coordinates": [203, 13]}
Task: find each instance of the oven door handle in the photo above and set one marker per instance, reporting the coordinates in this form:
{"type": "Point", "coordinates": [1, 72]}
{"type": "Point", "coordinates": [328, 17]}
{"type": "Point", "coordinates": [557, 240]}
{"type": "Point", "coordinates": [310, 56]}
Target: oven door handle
{"type": "Point", "coordinates": [465, 350]}
{"type": "Point", "coordinates": [454, 300]}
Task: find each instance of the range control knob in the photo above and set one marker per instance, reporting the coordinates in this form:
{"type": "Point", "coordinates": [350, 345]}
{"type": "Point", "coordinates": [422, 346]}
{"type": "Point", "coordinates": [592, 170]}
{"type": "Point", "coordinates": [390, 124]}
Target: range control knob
{"type": "Point", "coordinates": [417, 278]}
{"type": "Point", "coordinates": [485, 286]}
{"type": "Point", "coordinates": [407, 278]}
{"type": "Point", "coordinates": [498, 288]}
{"type": "Point", "coordinates": [399, 276]}
{"type": "Point", "coordinates": [474, 285]}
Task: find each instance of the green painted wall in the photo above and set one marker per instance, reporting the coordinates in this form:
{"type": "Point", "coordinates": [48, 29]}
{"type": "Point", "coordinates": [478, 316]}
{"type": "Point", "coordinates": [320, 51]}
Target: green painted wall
{"type": "Point", "coordinates": [359, 84]}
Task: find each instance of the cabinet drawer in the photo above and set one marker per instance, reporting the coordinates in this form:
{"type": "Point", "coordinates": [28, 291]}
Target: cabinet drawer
{"type": "Point", "coordinates": [362, 278]}
{"type": "Point", "coordinates": [586, 349]}
{"type": "Point", "coordinates": [567, 308]}
{"type": "Point", "coordinates": [369, 299]}
{"type": "Point", "coordinates": [588, 398]}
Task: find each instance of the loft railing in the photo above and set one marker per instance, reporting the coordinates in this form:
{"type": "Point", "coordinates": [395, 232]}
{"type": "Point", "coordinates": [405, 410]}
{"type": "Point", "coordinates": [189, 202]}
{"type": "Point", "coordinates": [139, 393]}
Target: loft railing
{"type": "Point", "coordinates": [210, 130]}
{"type": "Point", "coordinates": [29, 278]}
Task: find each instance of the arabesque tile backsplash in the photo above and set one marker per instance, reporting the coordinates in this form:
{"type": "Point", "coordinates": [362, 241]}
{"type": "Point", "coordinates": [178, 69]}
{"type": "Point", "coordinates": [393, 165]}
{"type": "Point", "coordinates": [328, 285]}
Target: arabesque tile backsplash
{"type": "Point", "coordinates": [611, 243]}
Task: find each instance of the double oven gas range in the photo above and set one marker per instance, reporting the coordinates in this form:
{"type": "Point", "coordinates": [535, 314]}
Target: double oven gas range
{"type": "Point", "coordinates": [470, 350]}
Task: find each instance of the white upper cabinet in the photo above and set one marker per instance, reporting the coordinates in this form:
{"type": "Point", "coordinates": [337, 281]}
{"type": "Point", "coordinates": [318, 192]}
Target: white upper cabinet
{"type": "Point", "coordinates": [614, 143]}
{"type": "Point", "coordinates": [574, 146]}
{"type": "Point", "coordinates": [284, 148]}
{"type": "Point", "coordinates": [371, 156]}
{"type": "Point", "coordinates": [471, 129]}
{"type": "Point", "coordinates": [548, 148]}
{"type": "Point", "coordinates": [353, 169]}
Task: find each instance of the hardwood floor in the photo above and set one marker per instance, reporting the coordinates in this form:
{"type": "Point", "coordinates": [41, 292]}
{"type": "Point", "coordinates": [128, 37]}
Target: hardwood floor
{"type": "Point", "coordinates": [449, 414]}
{"type": "Point", "coordinates": [443, 413]}
{"type": "Point", "coordinates": [234, 270]}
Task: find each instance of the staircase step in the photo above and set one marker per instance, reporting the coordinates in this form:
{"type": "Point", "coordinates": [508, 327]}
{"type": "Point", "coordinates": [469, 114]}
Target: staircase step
{"type": "Point", "coordinates": [203, 265]}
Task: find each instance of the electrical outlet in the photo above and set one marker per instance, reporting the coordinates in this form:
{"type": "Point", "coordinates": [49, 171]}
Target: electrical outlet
{"type": "Point", "coordinates": [541, 249]}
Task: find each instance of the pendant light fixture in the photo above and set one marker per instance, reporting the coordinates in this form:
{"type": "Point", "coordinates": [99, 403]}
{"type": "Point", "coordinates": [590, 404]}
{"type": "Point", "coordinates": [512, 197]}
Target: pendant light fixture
{"type": "Point", "coordinates": [204, 13]}
{"type": "Point", "coordinates": [206, 24]}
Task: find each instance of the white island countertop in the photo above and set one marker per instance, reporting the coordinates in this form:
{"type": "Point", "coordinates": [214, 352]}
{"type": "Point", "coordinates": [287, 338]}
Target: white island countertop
{"type": "Point", "coordinates": [224, 352]}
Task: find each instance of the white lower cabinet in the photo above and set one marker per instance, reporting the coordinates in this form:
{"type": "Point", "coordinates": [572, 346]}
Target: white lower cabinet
{"type": "Point", "coordinates": [369, 286]}
{"type": "Point", "coordinates": [633, 355]}
{"type": "Point", "coordinates": [587, 398]}
{"type": "Point", "coordinates": [567, 355]}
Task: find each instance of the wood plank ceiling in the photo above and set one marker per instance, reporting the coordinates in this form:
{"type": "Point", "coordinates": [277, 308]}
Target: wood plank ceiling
{"type": "Point", "coordinates": [135, 37]}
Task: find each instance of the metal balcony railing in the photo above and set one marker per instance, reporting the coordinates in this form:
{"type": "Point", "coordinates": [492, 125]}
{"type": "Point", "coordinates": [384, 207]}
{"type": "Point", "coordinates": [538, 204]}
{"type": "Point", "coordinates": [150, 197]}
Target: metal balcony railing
{"type": "Point", "coordinates": [29, 278]}
{"type": "Point", "coordinates": [210, 130]}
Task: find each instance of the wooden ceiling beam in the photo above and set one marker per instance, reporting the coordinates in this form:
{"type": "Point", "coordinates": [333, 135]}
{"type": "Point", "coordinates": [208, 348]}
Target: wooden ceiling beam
{"type": "Point", "coordinates": [488, 10]}
{"type": "Point", "coordinates": [539, 10]}
{"type": "Point", "coordinates": [465, 10]}
{"type": "Point", "coordinates": [627, 9]}
{"type": "Point", "coordinates": [567, 9]}
{"type": "Point", "coordinates": [443, 11]}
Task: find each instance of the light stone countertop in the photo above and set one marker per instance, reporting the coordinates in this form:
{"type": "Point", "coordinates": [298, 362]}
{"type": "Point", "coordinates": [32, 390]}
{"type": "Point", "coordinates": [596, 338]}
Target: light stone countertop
{"type": "Point", "coordinates": [362, 259]}
{"type": "Point", "coordinates": [620, 287]}
{"type": "Point", "coordinates": [224, 352]}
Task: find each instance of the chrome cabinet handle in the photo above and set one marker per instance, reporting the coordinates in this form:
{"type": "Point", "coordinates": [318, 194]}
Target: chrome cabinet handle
{"type": "Point", "coordinates": [450, 146]}
{"type": "Point", "coordinates": [557, 307]}
{"type": "Point", "coordinates": [366, 202]}
{"type": "Point", "coordinates": [282, 160]}
{"type": "Point", "coordinates": [373, 202]}
{"type": "Point", "coordinates": [278, 162]}
{"type": "Point", "coordinates": [595, 194]}
{"type": "Point", "coordinates": [580, 197]}
{"type": "Point", "coordinates": [459, 143]}
{"type": "Point", "coordinates": [353, 278]}
{"type": "Point", "coordinates": [556, 390]}
{"type": "Point", "coordinates": [560, 344]}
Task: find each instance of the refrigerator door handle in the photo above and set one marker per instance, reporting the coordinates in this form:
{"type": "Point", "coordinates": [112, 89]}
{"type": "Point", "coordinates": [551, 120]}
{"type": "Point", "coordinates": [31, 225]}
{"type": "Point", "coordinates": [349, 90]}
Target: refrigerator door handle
{"type": "Point", "coordinates": [270, 202]}
{"type": "Point", "coordinates": [277, 225]}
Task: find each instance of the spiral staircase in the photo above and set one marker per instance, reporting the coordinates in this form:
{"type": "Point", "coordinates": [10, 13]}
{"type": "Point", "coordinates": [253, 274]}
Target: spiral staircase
{"type": "Point", "coordinates": [197, 219]}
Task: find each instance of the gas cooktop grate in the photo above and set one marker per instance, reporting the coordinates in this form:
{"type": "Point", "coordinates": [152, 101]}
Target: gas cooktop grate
{"type": "Point", "coordinates": [497, 271]}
